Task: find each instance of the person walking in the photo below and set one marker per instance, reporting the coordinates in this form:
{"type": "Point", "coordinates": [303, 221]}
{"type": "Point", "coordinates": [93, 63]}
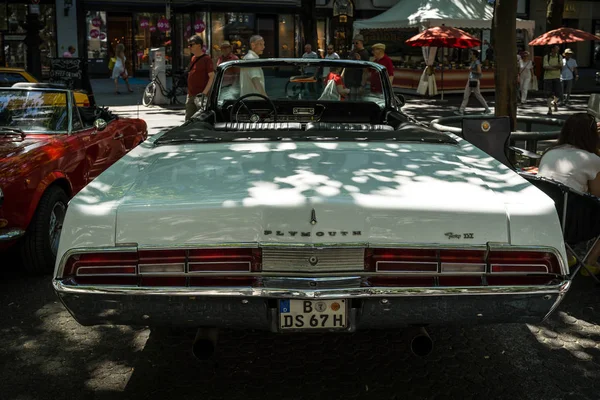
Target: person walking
{"type": "Point", "coordinates": [473, 85]}
{"type": "Point", "coordinates": [568, 74]}
{"type": "Point", "coordinates": [119, 69]}
{"type": "Point", "coordinates": [552, 67]}
{"type": "Point", "coordinates": [252, 80]}
{"type": "Point", "coordinates": [331, 55]}
{"type": "Point", "coordinates": [525, 75]}
{"type": "Point", "coordinates": [200, 76]}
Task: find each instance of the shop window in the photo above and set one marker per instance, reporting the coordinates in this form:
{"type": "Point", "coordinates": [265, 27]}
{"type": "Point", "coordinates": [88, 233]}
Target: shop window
{"type": "Point", "coordinates": [237, 28]}
{"type": "Point", "coordinates": [48, 37]}
{"type": "Point", "coordinates": [192, 24]}
{"type": "Point", "coordinates": [286, 36]}
{"type": "Point", "coordinates": [16, 13]}
{"type": "Point", "coordinates": [151, 31]}
{"type": "Point", "coordinates": [97, 39]}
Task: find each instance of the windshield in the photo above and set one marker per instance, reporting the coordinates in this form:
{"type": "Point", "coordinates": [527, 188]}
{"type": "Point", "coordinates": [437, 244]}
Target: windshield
{"type": "Point", "coordinates": [34, 111]}
{"type": "Point", "coordinates": [307, 82]}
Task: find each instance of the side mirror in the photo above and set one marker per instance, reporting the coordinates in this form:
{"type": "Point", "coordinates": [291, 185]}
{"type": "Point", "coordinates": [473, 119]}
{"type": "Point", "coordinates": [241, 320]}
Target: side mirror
{"type": "Point", "coordinates": [400, 101]}
{"type": "Point", "coordinates": [201, 100]}
{"type": "Point", "coordinates": [100, 124]}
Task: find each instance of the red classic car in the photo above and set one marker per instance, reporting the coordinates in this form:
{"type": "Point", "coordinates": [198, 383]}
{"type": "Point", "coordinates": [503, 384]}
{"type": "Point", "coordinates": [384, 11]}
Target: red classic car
{"type": "Point", "coordinates": [49, 150]}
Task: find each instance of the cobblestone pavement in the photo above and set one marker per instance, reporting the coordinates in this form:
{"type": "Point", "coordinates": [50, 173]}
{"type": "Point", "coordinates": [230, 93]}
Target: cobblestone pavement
{"type": "Point", "coordinates": [45, 354]}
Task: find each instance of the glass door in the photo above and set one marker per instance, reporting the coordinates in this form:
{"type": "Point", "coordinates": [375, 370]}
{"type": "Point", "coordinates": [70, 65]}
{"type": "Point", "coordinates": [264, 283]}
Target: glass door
{"type": "Point", "coordinates": [119, 29]}
{"type": "Point", "coordinates": [266, 28]}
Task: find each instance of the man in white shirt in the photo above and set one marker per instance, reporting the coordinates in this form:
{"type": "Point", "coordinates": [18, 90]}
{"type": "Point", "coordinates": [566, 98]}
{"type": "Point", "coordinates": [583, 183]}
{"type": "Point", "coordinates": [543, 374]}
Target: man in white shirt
{"type": "Point", "coordinates": [308, 53]}
{"type": "Point", "coordinates": [331, 55]}
{"type": "Point", "coordinates": [568, 74]}
{"type": "Point", "coordinates": [252, 80]}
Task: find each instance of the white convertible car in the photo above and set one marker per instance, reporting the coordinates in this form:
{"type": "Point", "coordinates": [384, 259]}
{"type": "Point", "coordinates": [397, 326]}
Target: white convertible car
{"type": "Point", "coordinates": [277, 209]}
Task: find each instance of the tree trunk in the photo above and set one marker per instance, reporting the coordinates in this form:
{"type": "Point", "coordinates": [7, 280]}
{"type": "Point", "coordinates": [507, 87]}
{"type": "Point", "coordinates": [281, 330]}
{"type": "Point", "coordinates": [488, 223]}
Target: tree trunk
{"type": "Point", "coordinates": [554, 14]}
{"type": "Point", "coordinates": [310, 25]}
{"type": "Point", "coordinates": [504, 30]}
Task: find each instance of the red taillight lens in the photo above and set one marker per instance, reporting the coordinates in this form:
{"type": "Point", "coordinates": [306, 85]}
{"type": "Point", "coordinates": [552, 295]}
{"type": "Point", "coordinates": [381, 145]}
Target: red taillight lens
{"type": "Point", "coordinates": [102, 264]}
{"type": "Point", "coordinates": [523, 262]}
{"type": "Point", "coordinates": [221, 260]}
{"type": "Point", "coordinates": [401, 260]}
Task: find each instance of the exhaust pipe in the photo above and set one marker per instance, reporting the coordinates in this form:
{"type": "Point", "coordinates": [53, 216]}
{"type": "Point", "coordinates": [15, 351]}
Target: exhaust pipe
{"type": "Point", "coordinates": [421, 344]}
{"type": "Point", "coordinates": [205, 343]}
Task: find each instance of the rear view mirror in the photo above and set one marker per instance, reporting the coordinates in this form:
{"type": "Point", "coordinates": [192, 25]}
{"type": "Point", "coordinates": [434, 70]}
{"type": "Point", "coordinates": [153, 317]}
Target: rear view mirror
{"type": "Point", "coordinates": [201, 100]}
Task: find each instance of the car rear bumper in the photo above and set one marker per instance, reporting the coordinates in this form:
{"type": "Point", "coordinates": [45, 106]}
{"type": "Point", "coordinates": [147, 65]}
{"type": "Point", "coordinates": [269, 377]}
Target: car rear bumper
{"type": "Point", "coordinates": [257, 308]}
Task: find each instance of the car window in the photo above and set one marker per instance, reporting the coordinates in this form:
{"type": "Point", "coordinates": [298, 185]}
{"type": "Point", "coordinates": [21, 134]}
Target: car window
{"type": "Point", "coordinates": [10, 78]}
{"type": "Point", "coordinates": [77, 122]}
{"type": "Point", "coordinates": [34, 111]}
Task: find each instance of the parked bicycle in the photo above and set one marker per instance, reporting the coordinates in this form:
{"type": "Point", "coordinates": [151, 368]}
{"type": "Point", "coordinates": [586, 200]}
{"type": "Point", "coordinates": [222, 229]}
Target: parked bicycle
{"type": "Point", "coordinates": [176, 95]}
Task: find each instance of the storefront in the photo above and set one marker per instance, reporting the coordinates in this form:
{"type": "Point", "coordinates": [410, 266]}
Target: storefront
{"type": "Point", "coordinates": [143, 27]}
{"type": "Point", "coordinates": [14, 19]}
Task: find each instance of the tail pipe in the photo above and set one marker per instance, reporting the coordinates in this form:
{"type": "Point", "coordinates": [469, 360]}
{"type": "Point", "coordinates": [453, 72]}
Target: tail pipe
{"type": "Point", "coordinates": [205, 343]}
{"type": "Point", "coordinates": [421, 344]}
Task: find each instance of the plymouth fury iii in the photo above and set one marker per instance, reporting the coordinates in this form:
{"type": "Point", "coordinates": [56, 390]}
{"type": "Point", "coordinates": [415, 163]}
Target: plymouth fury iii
{"type": "Point", "coordinates": [292, 208]}
{"type": "Point", "coordinates": [49, 149]}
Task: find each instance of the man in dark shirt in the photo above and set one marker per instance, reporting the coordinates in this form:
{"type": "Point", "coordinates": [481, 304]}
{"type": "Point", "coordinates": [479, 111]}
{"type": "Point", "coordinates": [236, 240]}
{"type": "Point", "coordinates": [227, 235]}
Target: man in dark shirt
{"type": "Point", "coordinates": [356, 78]}
{"type": "Point", "coordinates": [201, 74]}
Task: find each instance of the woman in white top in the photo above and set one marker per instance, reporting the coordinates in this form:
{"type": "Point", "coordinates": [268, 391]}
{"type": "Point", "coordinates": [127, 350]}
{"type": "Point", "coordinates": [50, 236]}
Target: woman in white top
{"type": "Point", "coordinates": [525, 75]}
{"type": "Point", "coordinates": [119, 69]}
{"type": "Point", "coordinates": [575, 161]}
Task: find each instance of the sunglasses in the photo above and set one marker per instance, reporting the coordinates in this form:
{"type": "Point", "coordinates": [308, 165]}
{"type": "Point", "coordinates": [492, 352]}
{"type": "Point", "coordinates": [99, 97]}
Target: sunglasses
{"type": "Point", "coordinates": [192, 44]}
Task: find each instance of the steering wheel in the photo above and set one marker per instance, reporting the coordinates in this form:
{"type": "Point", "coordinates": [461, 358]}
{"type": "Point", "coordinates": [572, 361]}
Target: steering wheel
{"type": "Point", "coordinates": [233, 114]}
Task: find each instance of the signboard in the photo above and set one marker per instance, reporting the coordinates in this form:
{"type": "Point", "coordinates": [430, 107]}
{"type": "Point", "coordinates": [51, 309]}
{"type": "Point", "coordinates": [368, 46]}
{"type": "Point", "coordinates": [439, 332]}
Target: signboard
{"type": "Point", "coordinates": [71, 72]}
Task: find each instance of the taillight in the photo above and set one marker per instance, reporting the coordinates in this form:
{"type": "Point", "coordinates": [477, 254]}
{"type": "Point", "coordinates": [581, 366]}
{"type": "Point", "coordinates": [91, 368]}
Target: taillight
{"type": "Point", "coordinates": [164, 267]}
{"type": "Point", "coordinates": [401, 260]}
{"type": "Point", "coordinates": [523, 262]}
{"type": "Point", "coordinates": [219, 260]}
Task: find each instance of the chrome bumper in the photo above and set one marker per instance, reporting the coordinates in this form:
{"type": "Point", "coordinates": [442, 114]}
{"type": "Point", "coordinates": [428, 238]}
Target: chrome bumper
{"type": "Point", "coordinates": [257, 308]}
{"type": "Point", "coordinates": [10, 234]}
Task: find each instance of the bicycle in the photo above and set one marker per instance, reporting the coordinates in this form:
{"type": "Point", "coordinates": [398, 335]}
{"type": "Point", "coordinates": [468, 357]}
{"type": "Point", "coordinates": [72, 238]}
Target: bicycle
{"type": "Point", "coordinates": [178, 90]}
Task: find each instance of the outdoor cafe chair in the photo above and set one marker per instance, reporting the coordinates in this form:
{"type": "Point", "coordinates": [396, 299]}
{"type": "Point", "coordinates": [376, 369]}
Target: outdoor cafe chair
{"type": "Point", "coordinates": [492, 135]}
{"type": "Point", "coordinates": [579, 216]}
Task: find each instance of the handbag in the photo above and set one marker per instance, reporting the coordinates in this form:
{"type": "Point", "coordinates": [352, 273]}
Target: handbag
{"type": "Point", "coordinates": [473, 83]}
{"type": "Point", "coordinates": [330, 92]}
{"type": "Point", "coordinates": [111, 63]}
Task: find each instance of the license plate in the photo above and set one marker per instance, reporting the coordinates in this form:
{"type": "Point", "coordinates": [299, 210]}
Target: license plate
{"type": "Point", "coordinates": [312, 314]}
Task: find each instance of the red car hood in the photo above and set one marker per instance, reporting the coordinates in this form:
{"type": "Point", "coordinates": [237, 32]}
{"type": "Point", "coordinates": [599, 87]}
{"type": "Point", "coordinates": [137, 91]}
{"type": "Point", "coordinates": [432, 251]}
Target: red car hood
{"type": "Point", "coordinates": [11, 146]}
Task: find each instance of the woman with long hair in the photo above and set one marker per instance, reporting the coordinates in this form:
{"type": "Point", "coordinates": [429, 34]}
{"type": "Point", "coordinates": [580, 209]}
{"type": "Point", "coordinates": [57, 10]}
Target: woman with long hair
{"type": "Point", "coordinates": [119, 69]}
{"type": "Point", "coordinates": [575, 162]}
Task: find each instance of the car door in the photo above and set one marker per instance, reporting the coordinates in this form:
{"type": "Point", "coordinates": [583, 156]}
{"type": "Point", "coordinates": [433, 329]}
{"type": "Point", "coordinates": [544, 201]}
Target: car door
{"type": "Point", "coordinates": [98, 143]}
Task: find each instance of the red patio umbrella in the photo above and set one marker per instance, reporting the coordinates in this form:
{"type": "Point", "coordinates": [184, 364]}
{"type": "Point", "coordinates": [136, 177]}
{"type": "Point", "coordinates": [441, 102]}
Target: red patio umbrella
{"type": "Point", "coordinates": [443, 36]}
{"type": "Point", "coordinates": [562, 35]}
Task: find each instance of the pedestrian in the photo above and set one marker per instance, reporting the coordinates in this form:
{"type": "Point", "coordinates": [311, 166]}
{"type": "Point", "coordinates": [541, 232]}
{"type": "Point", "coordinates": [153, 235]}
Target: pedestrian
{"type": "Point", "coordinates": [356, 78]}
{"type": "Point", "coordinates": [231, 73]}
{"type": "Point", "coordinates": [69, 53]}
{"type": "Point", "coordinates": [201, 74]}
{"type": "Point", "coordinates": [382, 59]}
{"type": "Point", "coordinates": [331, 55]}
{"type": "Point", "coordinates": [334, 86]}
{"type": "Point", "coordinates": [473, 85]}
{"type": "Point", "coordinates": [525, 75]}
{"type": "Point", "coordinates": [568, 74]}
{"type": "Point", "coordinates": [252, 80]}
{"type": "Point", "coordinates": [120, 69]}
{"type": "Point", "coordinates": [552, 67]}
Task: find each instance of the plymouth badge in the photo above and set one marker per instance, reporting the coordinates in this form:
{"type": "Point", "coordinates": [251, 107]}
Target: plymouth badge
{"type": "Point", "coordinates": [485, 126]}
